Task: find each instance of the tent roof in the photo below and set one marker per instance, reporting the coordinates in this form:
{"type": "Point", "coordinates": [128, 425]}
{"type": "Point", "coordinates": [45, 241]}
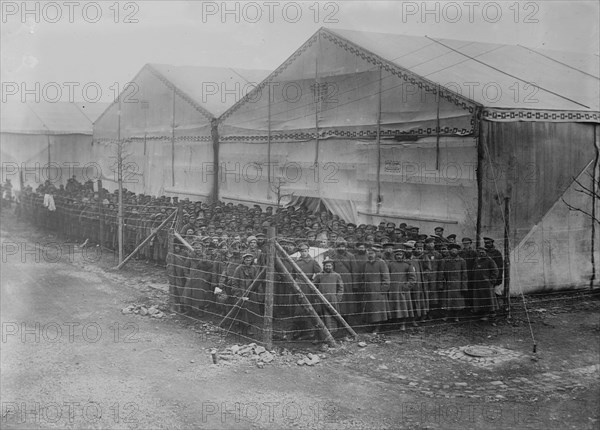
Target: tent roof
{"type": "Point", "coordinates": [550, 80]}
{"type": "Point", "coordinates": [49, 118]}
{"type": "Point", "coordinates": [200, 84]}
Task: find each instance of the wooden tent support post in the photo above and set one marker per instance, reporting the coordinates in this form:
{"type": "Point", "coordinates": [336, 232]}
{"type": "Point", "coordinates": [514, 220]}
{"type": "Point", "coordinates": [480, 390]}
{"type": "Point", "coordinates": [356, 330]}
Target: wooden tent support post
{"type": "Point", "coordinates": [148, 239]}
{"type": "Point", "coordinates": [506, 254]}
{"type": "Point", "coordinates": [268, 318]}
{"type": "Point", "coordinates": [305, 303]}
{"type": "Point", "coordinates": [314, 289]}
{"type": "Point", "coordinates": [238, 304]}
{"type": "Point", "coordinates": [183, 241]}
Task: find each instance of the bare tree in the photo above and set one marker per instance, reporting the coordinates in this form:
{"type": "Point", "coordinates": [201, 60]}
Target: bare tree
{"type": "Point", "coordinates": [276, 188]}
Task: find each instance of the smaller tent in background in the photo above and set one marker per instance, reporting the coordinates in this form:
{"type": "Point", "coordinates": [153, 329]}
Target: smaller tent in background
{"type": "Point", "coordinates": [165, 123]}
{"type": "Point", "coordinates": [46, 140]}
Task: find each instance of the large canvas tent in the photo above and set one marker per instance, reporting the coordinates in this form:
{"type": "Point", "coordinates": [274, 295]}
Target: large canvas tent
{"type": "Point", "coordinates": [429, 132]}
{"type": "Point", "coordinates": [164, 118]}
{"type": "Point", "coordinates": [45, 140]}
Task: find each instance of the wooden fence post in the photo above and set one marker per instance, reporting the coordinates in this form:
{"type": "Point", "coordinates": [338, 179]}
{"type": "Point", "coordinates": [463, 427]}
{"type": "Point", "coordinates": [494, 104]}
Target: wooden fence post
{"type": "Point", "coordinates": [268, 318]}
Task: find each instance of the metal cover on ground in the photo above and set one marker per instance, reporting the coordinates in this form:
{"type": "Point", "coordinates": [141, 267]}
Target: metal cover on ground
{"type": "Point", "coordinates": [481, 351]}
{"type": "Point", "coordinates": [482, 355]}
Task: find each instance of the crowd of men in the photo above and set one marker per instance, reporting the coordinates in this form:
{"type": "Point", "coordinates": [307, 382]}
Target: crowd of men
{"type": "Point", "coordinates": [376, 276]}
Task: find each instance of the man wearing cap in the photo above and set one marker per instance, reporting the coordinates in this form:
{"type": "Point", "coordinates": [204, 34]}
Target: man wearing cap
{"type": "Point", "coordinates": [455, 280]}
{"type": "Point", "coordinates": [433, 274]}
{"type": "Point", "coordinates": [469, 255]}
{"type": "Point", "coordinates": [250, 315]}
{"type": "Point", "coordinates": [403, 278]}
{"type": "Point", "coordinates": [234, 260]}
{"type": "Point", "coordinates": [345, 265]}
{"type": "Point", "coordinates": [412, 232]}
{"type": "Point", "coordinates": [451, 238]}
{"type": "Point", "coordinates": [179, 263]}
{"type": "Point", "coordinates": [388, 251]}
{"type": "Point", "coordinates": [439, 232]}
{"type": "Point", "coordinates": [389, 231]}
{"type": "Point", "coordinates": [419, 295]}
{"type": "Point", "coordinates": [376, 278]}
{"type": "Point", "coordinates": [495, 254]}
{"type": "Point", "coordinates": [331, 285]}
{"type": "Point", "coordinates": [485, 273]}
{"type": "Point", "coordinates": [301, 322]}
{"type": "Point", "coordinates": [197, 291]}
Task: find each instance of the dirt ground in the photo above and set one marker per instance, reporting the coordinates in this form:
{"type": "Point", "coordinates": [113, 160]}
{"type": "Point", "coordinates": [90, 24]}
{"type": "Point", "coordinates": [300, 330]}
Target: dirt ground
{"type": "Point", "coordinates": [72, 359]}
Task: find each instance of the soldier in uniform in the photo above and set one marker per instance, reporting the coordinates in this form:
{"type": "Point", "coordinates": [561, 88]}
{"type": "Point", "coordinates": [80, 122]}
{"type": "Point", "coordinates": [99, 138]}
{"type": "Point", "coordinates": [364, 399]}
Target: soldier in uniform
{"type": "Point", "coordinates": [331, 285]}
{"type": "Point", "coordinates": [424, 267]}
{"type": "Point", "coordinates": [485, 274]}
{"type": "Point", "coordinates": [434, 275]}
{"type": "Point", "coordinates": [469, 255]}
{"type": "Point", "coordinates": [454, 278]}
{"type": "Point", "coordinates": [250, 315]}
{"type": "Point", "coordinates": [345, 265]}
{"type": "Point", "coordinates": [377, 284]}
{"type": "Point", "coordinates": [403, 278]}
{"type": "Point", "coordinates": [495, 255]}
{"type": "Point", "coordinates": [310, 267]}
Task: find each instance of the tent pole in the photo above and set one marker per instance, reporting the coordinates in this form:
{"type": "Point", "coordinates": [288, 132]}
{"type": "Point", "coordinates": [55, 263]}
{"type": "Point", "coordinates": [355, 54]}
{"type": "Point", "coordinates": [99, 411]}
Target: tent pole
{"type": "Point", "coordinates": [317, 95]}
{"type": "Point", "coordinates": [478, 139]}
{"type": "Point", "coordinates": [379, 199]}
{"type": "Point", "coordinates": [120, 183]}
{"type": "Point", "coordinates": [270, 278]}
{"type": "Point", "coordinates": [437, 136]}
{"type": "Point", "coordinates": [214, 131]}
{"type": "Point", "coordinates": [269, 143]}
{"type": "Point", "coordinates": [507, 254]}
{"type": "Point", "coordinates": [595, 180]}
{"type": "Point", "coordinates": [173, 141]}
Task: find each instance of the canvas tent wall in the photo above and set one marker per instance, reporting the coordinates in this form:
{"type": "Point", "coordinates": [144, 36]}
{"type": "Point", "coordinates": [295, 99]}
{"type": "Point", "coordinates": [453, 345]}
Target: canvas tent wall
{"type": "Point", "coordinates": [46, 140]}
{"type": "Point", "coordinates": [163, 118]}
{"type": "Point", "coordinates": [381, 127]}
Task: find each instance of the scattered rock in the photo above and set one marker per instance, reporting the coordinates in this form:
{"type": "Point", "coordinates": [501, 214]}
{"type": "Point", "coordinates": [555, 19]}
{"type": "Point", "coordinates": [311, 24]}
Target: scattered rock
{"type": "Point", "coordinates": [259, 350]}
{"type": "Point", "coordinates": [300, 362]}
{"type": "Point", "coordinates": [234, 349]}
{"type": "Point", "coordinates": [260, 364]}
{"type": "Point", "coordinates": [266, 357]}
{"type": "Point", "coordinates": [127, 311]}
{"type": "Point", "coordinates": [460, 384]}
{"type": "Point", "coordinates": [314, 359]}
{"type": "Point", "coordinates": [362, 344]}
{"type": "Point", "coordinates": [497, 383]}
{"type": "Point", "coordinates": [143, 311]}
{"type": "Point", "coordinates": [382, 367]}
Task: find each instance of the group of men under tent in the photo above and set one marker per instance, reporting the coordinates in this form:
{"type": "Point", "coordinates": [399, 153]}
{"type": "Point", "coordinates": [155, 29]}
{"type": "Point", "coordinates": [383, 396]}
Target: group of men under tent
{"type": "Point", "coordinates": [386, 272]}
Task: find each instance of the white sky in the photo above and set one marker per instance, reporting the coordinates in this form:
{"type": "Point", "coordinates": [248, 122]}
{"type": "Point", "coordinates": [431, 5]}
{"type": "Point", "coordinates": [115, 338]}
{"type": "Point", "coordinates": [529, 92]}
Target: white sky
{"type": "Point", "coordinates": [180, 33]}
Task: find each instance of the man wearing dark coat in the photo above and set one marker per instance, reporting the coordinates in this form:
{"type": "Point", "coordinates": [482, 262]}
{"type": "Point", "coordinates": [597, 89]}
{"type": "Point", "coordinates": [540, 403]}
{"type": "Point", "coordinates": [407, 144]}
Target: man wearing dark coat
{"type": "Point", "coordinates": [469, 255]}
{"type": "Point", "coordinates": [377, 284]}
{"type": "Point", "coordinates": [250, 314]}
{"type": "Point", "coordinates": [301, 322]}
{"type": "Point", "coordinates": [495, 254]}
{"type": "Point", "coordinates": [485, 273]}
{"type": "Point", "coordinates": [345, 265]}
{"type": "Point", "coordinates": [403, 278]}
{"type": "Point", "coordinates": [331, 285]}
{"type": "Point", "coordinates": [454, 283]}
